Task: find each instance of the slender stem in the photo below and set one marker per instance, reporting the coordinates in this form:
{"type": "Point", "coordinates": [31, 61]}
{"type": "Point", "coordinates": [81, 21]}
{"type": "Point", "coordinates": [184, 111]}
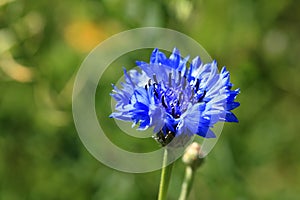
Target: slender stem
{"type": "Point", "coordinates": [165, 177]}
{"type": "Point", "coordinates": [187, 183]}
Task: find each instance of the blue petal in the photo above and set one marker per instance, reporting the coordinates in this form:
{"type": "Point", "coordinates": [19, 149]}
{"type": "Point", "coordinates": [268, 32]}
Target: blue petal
{"type": "Point", "coordinates": [140, 107]}
{"type": "Point", "coordinates": [223, 70]}
{"type": "Point", "coordinates": [127, 77]}
{"type": "Point", "coordinates": [170, 123]}
{"type": "Point", "coordinates": [175, 58]}
{"type": "Point", "coordinates": [230, 117]}
{"type": "Point", "coordinates": [140, 63]}
{"type": "Point", "coordinates": [233, 94]}
{"type": "Point", "coordinates": [144, 124]}
{"type": "Point", "coordinates": [232, 105]}
{"type": "Point", "coordinates": [140, 95]}
{"type": "Point", "coordinates": [210, 134]}
{"type": "Point", "coordinates": [182, 65]}
{"type": "Point", "coordinates": [196, 62]}
{"type": "Point", "coordinates": [162, 59]}
{"type": "Point", "coordinates": [125, 116]}
{"type": "Point", "coordinates": [205, 132]}
{"type": "Point", "coordinates": [154, 56]}
{"type": "Point", "coordinates": [158, 57]}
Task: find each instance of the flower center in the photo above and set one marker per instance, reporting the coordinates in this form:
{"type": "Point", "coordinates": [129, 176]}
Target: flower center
{"type": "Point", "coordinates": [174, 95]}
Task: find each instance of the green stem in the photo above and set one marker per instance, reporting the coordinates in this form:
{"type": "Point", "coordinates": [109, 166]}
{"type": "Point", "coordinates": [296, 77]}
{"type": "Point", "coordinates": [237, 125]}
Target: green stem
{"type": "Point", "coordinates": [165, 177]}
{"type": "Point", "coordinates": [187, 183]}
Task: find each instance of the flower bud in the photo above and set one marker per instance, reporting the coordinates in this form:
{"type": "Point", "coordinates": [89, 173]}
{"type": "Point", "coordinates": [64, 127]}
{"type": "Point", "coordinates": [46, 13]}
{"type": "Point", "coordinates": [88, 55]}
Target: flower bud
{"type": "Point", "coordinates": [192, 156]}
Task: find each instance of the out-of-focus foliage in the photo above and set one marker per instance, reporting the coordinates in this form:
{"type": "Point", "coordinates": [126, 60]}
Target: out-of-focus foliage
{"type": "Point", "coordinates": [42, 44]}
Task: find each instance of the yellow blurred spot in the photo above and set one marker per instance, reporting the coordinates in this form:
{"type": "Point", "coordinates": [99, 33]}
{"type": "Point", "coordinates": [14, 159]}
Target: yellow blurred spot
{"type": "Point", "coordinates": [15, 70]}
{"type": "Point", "coordinates": [4, 2]}
{"type": "Point", "coordinates": [34, 23]}
{"type": "Point", "coordinates": [55, 117]}
{"type": "Point", "coordinates": [84, 35]}
{"type": "Point", "coordinates": [182, 8]}
{"type": "Point", "coordinates": [7, 40]}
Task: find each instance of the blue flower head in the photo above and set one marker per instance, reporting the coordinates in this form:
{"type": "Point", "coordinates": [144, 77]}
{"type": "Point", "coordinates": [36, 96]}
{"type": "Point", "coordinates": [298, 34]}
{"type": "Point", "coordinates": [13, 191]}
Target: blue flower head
{"type": "Point", "coordinates": [175, 99]}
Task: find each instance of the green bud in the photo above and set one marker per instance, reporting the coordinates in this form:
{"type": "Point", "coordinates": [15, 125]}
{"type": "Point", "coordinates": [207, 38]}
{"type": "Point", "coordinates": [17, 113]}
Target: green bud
{"type": "Point", "coordinates": [192, 156]}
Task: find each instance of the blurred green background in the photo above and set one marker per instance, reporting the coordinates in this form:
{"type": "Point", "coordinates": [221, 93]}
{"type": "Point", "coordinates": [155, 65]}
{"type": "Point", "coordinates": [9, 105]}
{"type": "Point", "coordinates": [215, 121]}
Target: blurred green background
{"type": "Point", "coordinates": [42, 44]}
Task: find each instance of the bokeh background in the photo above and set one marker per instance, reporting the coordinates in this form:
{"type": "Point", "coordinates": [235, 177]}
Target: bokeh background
{"type": "Point", "coordinates": [42, 44]}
